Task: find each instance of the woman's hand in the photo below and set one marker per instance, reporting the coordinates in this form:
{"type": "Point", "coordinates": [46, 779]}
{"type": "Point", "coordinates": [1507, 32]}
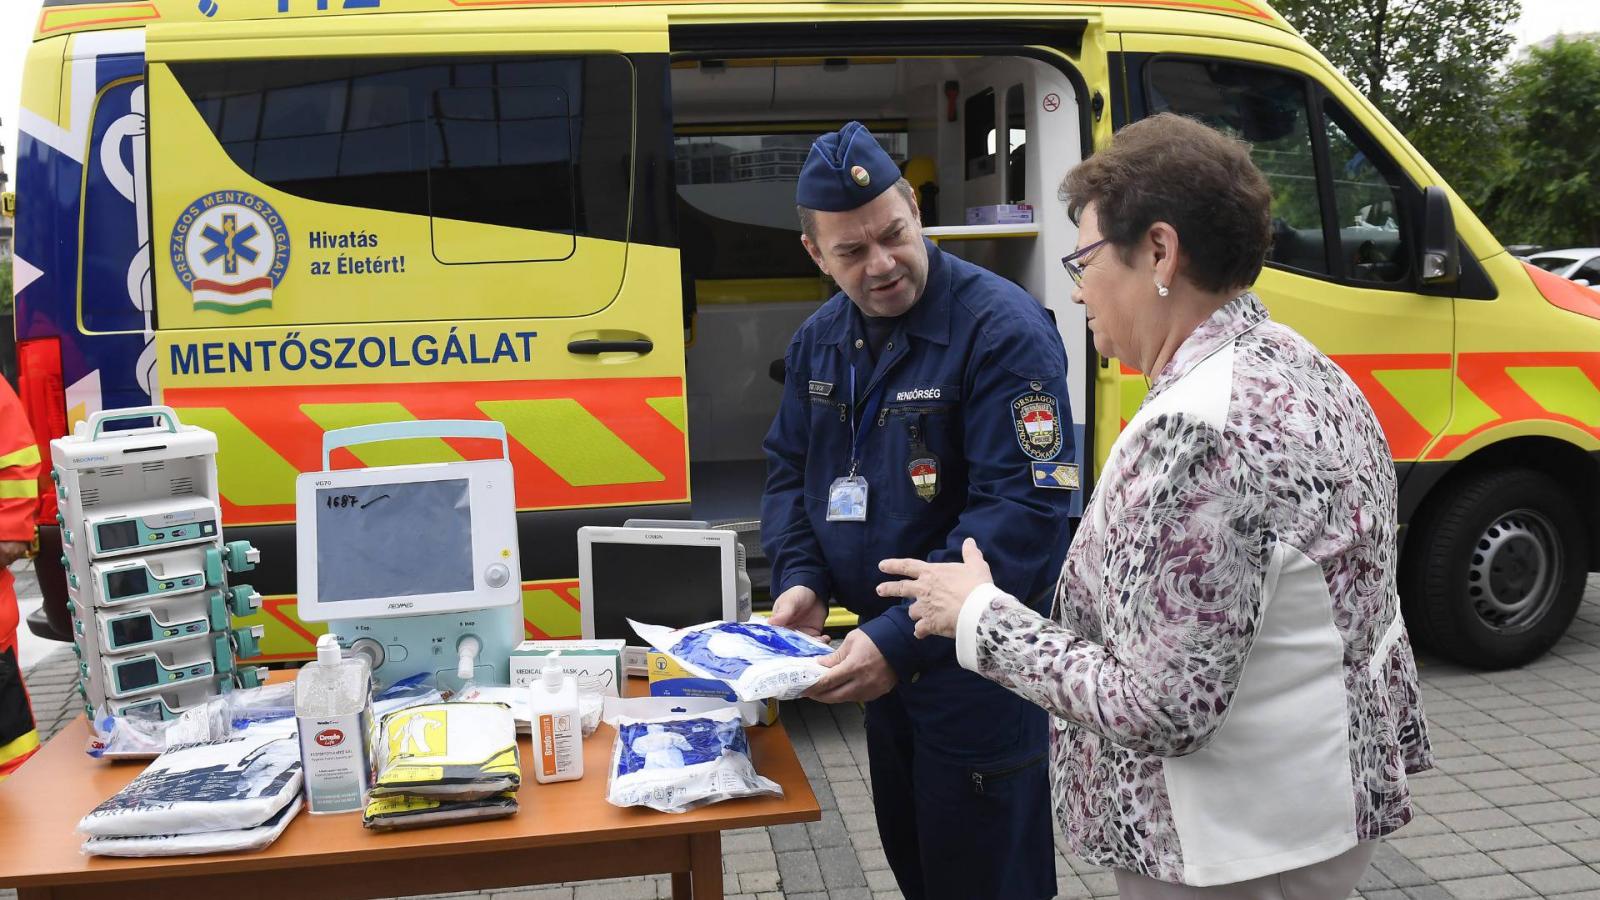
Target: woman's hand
{"type": "Point", "coordinates": [938, 589]}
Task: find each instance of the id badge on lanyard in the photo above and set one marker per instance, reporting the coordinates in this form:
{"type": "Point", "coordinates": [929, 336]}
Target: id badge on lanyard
{"type": "Point", "coordinates": [847, 496]}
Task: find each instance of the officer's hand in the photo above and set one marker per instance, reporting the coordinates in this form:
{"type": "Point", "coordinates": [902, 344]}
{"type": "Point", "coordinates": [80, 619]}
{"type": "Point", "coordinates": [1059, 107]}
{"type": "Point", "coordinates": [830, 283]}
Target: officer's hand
{"type": "Point", "coordinates": [11, 551]}
{"type": "Point", "coordinates": [801, 609]}
{"type": "Point", "coordinates": [938, 589]}
{"type": "Point", "coordinates": [857, 672]}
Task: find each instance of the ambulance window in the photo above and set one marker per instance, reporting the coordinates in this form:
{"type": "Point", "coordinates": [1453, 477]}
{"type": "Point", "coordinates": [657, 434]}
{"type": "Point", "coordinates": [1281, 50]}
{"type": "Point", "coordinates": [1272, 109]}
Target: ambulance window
{"type": "Point", "coordinates": [1368, 200]}
{"type": "Point", "coordinates": [535, 143]}
{"type": "Point", "coordinates": [979, 143]}
{"type": "Point", "coordinates": [1268, 108]}
{"type": "Point", "coordinates": [1017, 146]}
{"type": "Point", "coordinates": [736, 216]}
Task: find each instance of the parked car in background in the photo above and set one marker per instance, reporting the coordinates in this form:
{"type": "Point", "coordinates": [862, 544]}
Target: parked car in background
{"type": "Point", "coordinates": [1581, 265]}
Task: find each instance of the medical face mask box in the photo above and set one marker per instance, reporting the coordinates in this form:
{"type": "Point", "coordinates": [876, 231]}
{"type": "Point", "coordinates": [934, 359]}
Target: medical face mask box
{"type": "Point", "coordinates": [596, 664]}
{"type": "Point", "coordinates": [668, 679]}
{"type": "Point", "coordinates": [1000, 214]}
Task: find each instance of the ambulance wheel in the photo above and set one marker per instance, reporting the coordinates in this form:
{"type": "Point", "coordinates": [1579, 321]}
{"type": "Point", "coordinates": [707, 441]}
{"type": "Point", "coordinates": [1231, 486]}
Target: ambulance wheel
{"type": "Point", "coordinates": [1495, 569]}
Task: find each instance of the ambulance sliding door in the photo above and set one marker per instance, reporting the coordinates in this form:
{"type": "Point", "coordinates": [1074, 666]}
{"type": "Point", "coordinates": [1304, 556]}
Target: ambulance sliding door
{"type": "Point", "coordinates": [434, 215]}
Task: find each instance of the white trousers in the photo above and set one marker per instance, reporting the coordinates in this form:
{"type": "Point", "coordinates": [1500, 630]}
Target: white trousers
{"type": "Point", "coordinates": [1331, 879]}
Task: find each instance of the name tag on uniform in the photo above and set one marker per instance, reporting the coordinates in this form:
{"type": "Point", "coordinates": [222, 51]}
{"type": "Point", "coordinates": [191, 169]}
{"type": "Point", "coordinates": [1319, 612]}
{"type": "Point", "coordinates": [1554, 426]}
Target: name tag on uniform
{"type": "Point", "coordinates": [1058, 476]}
{"type": "Point", "coordinates": [821, 388]}
{"type": "Point", "coordinates": [847, 499]}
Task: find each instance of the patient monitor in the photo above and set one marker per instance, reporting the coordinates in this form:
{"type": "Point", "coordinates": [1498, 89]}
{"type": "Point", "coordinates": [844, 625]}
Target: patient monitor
{"type": "Point", "coordinates": [414, 566]}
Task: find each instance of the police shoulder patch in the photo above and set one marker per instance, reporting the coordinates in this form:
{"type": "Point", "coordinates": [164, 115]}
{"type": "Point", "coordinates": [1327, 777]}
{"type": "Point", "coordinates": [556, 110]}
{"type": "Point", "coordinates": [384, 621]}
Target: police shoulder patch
{"type": "Point", "coordinates": [1036, 416]}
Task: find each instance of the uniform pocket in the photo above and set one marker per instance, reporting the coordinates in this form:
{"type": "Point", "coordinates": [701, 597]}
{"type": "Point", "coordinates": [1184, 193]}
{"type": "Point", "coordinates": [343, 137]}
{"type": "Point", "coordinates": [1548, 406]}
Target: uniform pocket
{"type": "Point", "coordinates": [927, 470]}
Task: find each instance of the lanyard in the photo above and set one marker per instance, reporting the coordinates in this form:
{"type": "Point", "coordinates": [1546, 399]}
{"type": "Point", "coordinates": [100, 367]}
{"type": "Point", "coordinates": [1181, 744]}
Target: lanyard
{"type": "Point", "coordinates": [873, 400]}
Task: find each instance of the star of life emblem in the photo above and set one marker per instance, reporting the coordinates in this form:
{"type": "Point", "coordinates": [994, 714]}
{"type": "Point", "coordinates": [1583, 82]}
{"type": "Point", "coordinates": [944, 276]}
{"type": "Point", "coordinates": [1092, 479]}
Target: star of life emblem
{"type": "Point", "coordinates": [231, 250]}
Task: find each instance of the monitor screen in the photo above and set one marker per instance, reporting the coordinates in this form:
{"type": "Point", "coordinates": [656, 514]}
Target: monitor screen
{"type": "Point", "coordinates": [119, 535]}
{"type": "Point", "coordinates": [132, 630]}
{"type": "Point", "coordinates": [127, 583]}
{"type": "Point", "coordinates": [394, 540]}
{"type": "Point", "coordinates": [670, 585]}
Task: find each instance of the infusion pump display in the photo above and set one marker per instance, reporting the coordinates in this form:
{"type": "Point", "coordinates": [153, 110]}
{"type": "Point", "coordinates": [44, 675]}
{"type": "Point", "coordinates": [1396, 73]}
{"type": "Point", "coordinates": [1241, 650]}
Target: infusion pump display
{"type": "Point", "coordinates": [399, 539]}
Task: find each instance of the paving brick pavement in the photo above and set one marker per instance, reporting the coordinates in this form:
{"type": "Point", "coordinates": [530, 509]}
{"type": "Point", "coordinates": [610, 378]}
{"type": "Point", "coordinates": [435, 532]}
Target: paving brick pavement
{"type": "Point", "coordinates": [1511, 811]}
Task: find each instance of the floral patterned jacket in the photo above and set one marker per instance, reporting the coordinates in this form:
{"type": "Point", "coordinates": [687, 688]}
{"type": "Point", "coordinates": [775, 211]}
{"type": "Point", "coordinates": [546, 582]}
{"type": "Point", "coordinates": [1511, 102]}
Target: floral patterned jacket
{"type": "Point", "coordinates": [1233, 692]}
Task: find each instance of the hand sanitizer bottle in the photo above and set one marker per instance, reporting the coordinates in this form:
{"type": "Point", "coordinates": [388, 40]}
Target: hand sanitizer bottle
{"type": "Point", "coordinates": [333, 706]}
{"type": "Point", "coordinates": [557, 727]}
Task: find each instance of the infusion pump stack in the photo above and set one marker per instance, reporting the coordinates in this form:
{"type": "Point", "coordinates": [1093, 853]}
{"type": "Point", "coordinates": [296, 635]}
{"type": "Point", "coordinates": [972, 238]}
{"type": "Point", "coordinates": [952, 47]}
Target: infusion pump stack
{"type": "Point", "coordinates": [147, 568]}
{"type": "Point", "coordinates": [414, 567]}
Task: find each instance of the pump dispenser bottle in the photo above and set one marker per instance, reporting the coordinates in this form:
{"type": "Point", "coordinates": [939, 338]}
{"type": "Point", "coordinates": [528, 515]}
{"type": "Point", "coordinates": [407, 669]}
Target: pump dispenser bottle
{"type": "Point", "coordinates": [557, 726]}
{"type": "Point", "coordinates": [333, 706]}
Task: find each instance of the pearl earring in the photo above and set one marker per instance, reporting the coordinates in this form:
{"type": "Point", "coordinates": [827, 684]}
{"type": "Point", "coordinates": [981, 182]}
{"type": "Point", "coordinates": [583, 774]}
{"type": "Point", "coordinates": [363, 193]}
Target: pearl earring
{"type": "Point", "coordinates": [1161, 289]}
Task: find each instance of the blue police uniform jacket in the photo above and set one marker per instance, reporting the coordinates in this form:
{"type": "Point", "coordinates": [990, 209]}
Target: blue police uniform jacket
{"type": "Point", "coordinates": [972, 394]}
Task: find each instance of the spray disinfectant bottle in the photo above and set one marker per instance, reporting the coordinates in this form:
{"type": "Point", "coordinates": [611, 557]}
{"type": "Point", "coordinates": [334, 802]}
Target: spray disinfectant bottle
{"type": "Point", "coordinates": [333, 706]}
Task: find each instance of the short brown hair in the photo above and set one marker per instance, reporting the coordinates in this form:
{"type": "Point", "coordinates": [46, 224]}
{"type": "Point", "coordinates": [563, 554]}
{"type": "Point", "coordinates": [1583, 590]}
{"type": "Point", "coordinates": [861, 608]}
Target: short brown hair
{"type": "Point", "coordinates": [1173, 169]}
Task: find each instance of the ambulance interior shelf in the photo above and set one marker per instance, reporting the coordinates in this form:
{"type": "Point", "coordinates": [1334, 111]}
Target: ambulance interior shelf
{"type": "Point", "coordinates": [941, 233]}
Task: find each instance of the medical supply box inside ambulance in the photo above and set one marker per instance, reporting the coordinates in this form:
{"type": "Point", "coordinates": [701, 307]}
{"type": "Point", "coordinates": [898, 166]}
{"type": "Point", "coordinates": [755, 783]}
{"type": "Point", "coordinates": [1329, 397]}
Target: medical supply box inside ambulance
{"type": "Point", "coordinates": [577, 219]}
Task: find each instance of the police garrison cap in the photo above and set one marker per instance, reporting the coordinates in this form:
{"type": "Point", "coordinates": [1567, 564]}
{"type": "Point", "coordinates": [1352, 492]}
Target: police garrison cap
{"type": "Point", "coordinates": [846, 169]}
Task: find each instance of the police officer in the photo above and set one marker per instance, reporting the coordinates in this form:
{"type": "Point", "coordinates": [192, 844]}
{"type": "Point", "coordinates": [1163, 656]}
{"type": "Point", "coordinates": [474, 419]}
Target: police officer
{"type": "Point", "coordinates": [923, 404]}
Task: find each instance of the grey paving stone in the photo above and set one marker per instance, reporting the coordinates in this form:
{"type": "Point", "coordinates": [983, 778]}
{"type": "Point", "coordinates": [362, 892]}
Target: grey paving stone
{"type": "Point", "coordinates": [799, 871]}
{"type": "Point", "coordinates": [1401, 871]}
{"type": "Point", "coordinates": [1583, 851]}
{"type": "Point", "coordinates": [556, 892]}
{"type": "Point", "coordinates": [1555, 775]}
{"type": "Point", "coordinates": [759, 861]}
{"type": "Point", "coordinates": [1478, 819]}
{"type": "Point", "coordinates": [1492, 887]}
{"type": "Point", "coordinates": [1541, 813]}
{"type": "Point", "coordinates": [1517, 836]}
{"type": "Point", "coordinates": [1428, 892]}
{"type": "Point", "coordinates": [1474, 762]}
{"type": "Point", "coordinates": [789, 837]}
{"type": "Point", "coordinates": [1450, 803]}
{"type": "Point", "coordinates": [1460, 865]}
{"type": "Point", "coordinates": [1574, 830]}
{"type": "Point", "coordinates": [1562, 881]}
{"type": "Point", "coordinates": [758, 882]}
{"type": "Point", "coordinates": [1494, 778]}
{"type": "Point", "coordinates": [1519, 795]}
{"type": "Point", "coordinates": [829, 831]}
{"type": "Point", "coordinates": [883, 880]}
{"type": "Point", "coordinates": [617, 890]}
{"type": "Point", "coordinates": [1523, 759]}
{"type": "Point", "coordinates": [746, 842]}
{"type": "Point", "coordinates": [1530, 859]}
{"type": "Point", "coordinates": [1415, 848]}
{"type": "Point", "coordinates": [840, 868]}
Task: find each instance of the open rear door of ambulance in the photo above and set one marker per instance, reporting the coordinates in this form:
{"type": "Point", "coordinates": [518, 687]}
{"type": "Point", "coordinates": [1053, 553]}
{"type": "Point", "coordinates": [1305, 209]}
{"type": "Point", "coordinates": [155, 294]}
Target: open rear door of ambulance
{"type": "Point", "coordinates": [461, 214]}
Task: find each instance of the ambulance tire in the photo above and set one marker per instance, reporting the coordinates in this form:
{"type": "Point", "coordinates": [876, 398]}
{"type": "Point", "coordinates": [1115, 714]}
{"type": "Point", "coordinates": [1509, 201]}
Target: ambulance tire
{"type": "Point", "coordinates": [1494, 569]}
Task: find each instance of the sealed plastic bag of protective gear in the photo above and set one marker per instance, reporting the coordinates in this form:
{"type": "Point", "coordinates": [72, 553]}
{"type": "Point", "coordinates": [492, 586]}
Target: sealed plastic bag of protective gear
{"type": "Point", "coordinates": [411, 811]}
{"type": "Point", "coordinates": [758, 661]}
{"type": "Point", "coordinates": [225, 785]}
{"type": "Point", "coordinates": [453, 751]}
{"type": "Point", "coordinates": [678, 762]}
{"type": "Point", "coordinates": [232, 841]}
{"type": "Point", "coordinates": [144, 734]}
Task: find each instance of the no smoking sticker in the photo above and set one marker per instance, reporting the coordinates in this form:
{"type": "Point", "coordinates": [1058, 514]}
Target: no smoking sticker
{"type": "Point", "coordinates": [1052, 102]}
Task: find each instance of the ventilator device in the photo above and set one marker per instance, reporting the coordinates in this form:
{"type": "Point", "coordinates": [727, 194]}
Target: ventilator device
{"type": "Point", "coordinates": [414, 566]}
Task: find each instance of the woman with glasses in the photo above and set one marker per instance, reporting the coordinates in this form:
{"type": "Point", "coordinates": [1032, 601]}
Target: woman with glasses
{"type": "Point", "coordinates": [1234, 700]}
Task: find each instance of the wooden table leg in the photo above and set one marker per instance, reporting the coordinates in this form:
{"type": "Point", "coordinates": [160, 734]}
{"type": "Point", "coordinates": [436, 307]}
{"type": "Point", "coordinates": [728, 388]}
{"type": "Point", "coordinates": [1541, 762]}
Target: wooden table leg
{"type": "Point", "coordinates": [705, 865]}
{"type": "Point", "coordinates": [682, 886]}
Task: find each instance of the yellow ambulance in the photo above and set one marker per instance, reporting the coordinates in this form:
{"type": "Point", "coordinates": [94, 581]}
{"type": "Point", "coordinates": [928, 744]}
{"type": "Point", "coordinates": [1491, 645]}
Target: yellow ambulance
{"type": "Point", "coordinates": [286, 216]}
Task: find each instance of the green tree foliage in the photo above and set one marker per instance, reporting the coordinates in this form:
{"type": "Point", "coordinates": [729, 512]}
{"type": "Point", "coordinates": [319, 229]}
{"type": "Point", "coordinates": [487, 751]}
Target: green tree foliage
{"type": "Point", "coordinates": [1429, 66]}
{"type": "Point", "coordinates": [1547, 192]}
{"type": "Point", "coordinates": [5, 287]}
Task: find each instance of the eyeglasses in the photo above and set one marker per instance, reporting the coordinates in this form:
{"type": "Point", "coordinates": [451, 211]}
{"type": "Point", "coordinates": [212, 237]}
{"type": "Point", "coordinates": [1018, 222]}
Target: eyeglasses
{"type": "Point", "coordinates": [1073, 267]}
